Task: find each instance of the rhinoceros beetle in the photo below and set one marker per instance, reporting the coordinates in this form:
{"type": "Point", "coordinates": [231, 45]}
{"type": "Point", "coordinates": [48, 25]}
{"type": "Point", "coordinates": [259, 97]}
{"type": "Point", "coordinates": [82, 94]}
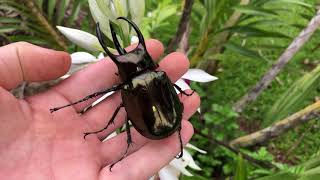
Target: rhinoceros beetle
{"type": "Point", "coordinates": [148, 96]}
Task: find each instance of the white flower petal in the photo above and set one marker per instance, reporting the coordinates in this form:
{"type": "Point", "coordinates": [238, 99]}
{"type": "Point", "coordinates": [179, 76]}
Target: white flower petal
{"type": "Point", "coordinates": [198, 75]}
{"type": "Point", "coordinates": [188, 158]}
{"type": "Point", "coordinates": [168, 173]}
{"type": "Point", "coordinates": [195, 148]}
{"type": "Point", "coordinates": [82, 57]}
{"type": "Point", "coordinates": [181, 166]}
{"type": "Point", "coordinates": [182, 84]}
{"type": "Point", "coordinates": [134, 39]}
{"type": "Point", "coordinates": [100, 56]}
{"type": "Point", "coordinates": [110, 136]}
{"type": "Point", "coordinates": [137, 8]}
{"type": "Point", "coordinates": [99, 17]}
{"type": "Point", "coordinates": [102, 98]}
{"type": "Point", "coordinates": [65, 76]}
{"type": "Point", "coordinates": [81, 38]}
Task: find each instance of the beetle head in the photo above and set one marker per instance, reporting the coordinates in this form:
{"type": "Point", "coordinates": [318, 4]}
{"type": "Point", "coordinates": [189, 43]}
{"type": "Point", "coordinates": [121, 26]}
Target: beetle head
{"type": "Point", "coordinates": [132, 62]}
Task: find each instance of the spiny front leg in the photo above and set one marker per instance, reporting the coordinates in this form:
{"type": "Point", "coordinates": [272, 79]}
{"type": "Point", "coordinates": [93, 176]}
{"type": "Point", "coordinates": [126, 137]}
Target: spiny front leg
{"type": "Point", "coordinates": [113, 88]}
{"type": "Point", "coordinates": [109, 123]}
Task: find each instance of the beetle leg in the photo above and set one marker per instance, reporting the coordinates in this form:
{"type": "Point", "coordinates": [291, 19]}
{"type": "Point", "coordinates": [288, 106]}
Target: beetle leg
{"type": "Point", "coordinates": [113, 88]}
{"type": "Point", "coordinates": [181, 144]}
{"type": "Point", "coordinates": [182, 92]}
{"type": "Point", "coordinates": [129, 142]}
{"type": "Point", "coordinates": [109, 123]}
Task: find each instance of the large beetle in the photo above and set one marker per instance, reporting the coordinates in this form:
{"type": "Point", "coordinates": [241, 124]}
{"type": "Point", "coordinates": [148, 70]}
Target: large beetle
{"type": "Point", "coordinates": [148, 96]}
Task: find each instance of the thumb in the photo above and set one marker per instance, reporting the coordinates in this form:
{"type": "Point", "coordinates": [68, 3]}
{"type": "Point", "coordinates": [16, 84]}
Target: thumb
{"type": "Point", "coordinates": [26, 62]}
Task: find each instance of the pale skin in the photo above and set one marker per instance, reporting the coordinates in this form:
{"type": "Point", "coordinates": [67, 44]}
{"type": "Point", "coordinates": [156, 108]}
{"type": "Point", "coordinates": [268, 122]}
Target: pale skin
{"type": "Point", "coordinates": [37, 145]}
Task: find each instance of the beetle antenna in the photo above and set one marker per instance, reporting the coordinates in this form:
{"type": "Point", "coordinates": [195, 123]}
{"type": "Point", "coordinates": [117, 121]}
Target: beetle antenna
{"type": "Point", "coordinates": [100, 38]}
{"type": "Point", "coordinates": [135, 27]}
{"type": "Point", "coordinates": [120, 50]}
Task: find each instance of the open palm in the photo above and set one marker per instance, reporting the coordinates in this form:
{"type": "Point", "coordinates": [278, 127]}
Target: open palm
{"type": "Point", "coordinates": [35, 144]}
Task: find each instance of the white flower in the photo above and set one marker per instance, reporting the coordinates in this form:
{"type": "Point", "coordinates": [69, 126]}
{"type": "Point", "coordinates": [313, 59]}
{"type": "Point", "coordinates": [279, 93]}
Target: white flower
{"type": "Point", "coordinates": [104, 11]}
{"type": "Point", "coordinates": [177, 166]}
{"type": "Point", "coordinates": [81, 38]}
{"type": "Point", "coordinates": [196, 75]}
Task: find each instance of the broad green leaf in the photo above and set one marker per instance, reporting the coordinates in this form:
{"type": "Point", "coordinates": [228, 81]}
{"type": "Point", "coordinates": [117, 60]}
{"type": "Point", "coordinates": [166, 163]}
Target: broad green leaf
{"type": "Point", "coordinates": [105, 8]}
{"type": "Point", "coordinates": [243, 51]}
{"type": "Point", "coordinates": [100, 18]}
{"type": "Point", "coordinates": [121, 8]}
{"type": "Point", "coordinates": [137, 9]}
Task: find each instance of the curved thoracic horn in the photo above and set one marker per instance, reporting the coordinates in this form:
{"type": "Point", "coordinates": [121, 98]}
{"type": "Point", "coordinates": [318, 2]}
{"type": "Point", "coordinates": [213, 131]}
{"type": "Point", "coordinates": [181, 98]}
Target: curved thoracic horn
{"type": "Point", "coordinates": [120, 50]}
{"type": "Point", "coordinates": [135, 27]}
{"type": "Point", "coordinates": [100, 38]}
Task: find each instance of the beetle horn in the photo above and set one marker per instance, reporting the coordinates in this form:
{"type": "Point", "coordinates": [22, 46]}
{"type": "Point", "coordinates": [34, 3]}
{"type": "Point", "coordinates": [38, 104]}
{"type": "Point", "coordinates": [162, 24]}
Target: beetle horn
{"type": "Point", "coordinates": [135, 27]}
{"type": "Point", "coordinates": [100, 38]}
{"type": "Point", "coordinates": [120, 50]}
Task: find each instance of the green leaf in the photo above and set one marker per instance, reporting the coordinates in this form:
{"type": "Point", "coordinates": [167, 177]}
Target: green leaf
{"type": "Point", "coordinates": [27, 38]}
{"type": "Point", "coordinates": [62, 10]}
{"type": "Point", "coordinates": [291, 100]}
{"type": "Point", "coordinates": [256, 11]}
{"type": "Point", "coordinates": [255, 32]}
{"type": "Point", "coordinates": [243, 51]}
{"type": "Point", "coordinates": [39, 4]}
{"type": "Point", "coordinates": [51, 7]}
{"type": "Point", "coordinates": [281, 176]}
{"type": "Point", "coordinates": [9, 20]}
{"type": "Point", "coordinates": [297, 2]}
{"type": "Point", "coordinates": [241, 171]}
{"type": "Point", "coordinates": [7, 29]}
{"type": "Point", "coordinates": [75, 11]}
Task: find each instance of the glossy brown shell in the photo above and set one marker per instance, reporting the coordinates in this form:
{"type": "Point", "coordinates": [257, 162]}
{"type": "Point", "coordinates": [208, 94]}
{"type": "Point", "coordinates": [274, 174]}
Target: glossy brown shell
{"type": "Point", "coordinates": [152, 105]}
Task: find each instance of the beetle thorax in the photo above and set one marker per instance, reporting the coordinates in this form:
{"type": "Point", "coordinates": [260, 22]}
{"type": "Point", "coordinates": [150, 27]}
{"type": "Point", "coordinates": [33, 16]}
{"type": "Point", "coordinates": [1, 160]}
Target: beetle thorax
{"type": "Point", "coordinates": [134, 63]}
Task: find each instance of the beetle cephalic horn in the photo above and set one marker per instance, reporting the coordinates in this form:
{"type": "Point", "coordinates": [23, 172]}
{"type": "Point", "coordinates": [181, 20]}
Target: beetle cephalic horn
{"type": "Point", "coordinates": [120, 50]}
{"type": "Point", "coordinates": [100, 38]}
{"type": "Point", "coordinates": [135, 27]}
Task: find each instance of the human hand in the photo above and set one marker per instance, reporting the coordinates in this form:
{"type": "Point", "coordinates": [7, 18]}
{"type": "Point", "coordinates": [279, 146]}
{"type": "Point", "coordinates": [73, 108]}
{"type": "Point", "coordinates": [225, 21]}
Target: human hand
{"type": "Point", "coordinates": [35, 144]}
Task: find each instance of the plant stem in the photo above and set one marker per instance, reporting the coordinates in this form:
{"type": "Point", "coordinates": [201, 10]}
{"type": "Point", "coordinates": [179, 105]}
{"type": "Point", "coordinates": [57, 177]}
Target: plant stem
{"type": "Point", "coordinates": [287, 55]}
{"type": "Point", "coordinates": [44, 22]}
{"type": "Point", "coordinates": [310, 112]}
{"type": "Point", "coordinates": [182, 25]}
